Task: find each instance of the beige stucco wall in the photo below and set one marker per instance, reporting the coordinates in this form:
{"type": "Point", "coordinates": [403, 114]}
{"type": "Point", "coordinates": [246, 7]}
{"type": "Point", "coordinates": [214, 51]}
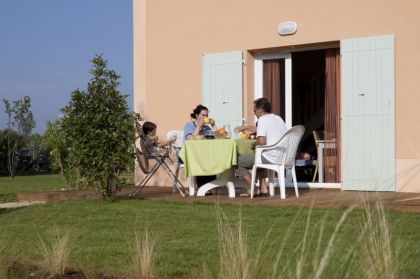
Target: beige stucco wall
{"type": "Point", "coordinates": [170, 36]}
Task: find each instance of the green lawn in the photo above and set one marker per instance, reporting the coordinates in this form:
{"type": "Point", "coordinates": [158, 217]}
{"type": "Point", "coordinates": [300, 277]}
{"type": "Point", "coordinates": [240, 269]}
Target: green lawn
{"type": "Point", "coordinates": [28, 183]}
{"type": "Point", "coordinates": [102, 233]}
{"type": "Point", "coordinates": [33, 183]}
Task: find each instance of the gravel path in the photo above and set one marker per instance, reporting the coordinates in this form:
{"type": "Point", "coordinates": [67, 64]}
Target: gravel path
{"type": "Point", "coordinates": [19, 204]}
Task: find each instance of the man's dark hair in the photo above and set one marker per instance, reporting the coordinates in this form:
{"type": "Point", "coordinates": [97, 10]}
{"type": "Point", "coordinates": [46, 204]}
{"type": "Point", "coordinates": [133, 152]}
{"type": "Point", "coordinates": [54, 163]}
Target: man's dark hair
{"type": "Point", "coordinates": [264, 104]}
{"type": "Point", "coordinates": [148, 127]}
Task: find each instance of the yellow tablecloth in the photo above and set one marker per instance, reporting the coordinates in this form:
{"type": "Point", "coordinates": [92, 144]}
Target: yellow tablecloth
{"type": "Point", "coordinates": [208, 157]}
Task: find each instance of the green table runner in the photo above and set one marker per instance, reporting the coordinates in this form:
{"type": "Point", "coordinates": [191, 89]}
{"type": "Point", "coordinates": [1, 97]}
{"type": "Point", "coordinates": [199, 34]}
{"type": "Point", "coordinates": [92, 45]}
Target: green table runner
{"type": "Point", "coordinates": [243, 146]}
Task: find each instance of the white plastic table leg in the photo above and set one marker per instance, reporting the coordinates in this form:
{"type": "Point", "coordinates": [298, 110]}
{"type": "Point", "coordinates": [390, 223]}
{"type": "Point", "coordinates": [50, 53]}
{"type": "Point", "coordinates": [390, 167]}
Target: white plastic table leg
{"type": "Point", "coordinates": [191, 185]}
{"type": "Point", "coordinates": [215, 184]}
{"type": "Point", "coordinates": [231, 189]}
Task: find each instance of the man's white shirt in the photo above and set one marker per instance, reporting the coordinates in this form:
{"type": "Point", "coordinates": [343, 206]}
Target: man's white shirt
{"type": "Point", "coordinates": [272, 127]}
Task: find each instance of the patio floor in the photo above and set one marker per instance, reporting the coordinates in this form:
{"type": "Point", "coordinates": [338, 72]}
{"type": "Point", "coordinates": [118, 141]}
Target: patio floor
{"type": "Point", "coordinates": [318, 198]}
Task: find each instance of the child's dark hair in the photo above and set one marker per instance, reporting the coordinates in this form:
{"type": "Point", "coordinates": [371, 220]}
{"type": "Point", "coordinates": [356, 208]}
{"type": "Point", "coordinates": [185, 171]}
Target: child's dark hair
{"type": "Point", "coordinates": [148, 127]}
{"type": "Point", "coordinates": [197, 111]}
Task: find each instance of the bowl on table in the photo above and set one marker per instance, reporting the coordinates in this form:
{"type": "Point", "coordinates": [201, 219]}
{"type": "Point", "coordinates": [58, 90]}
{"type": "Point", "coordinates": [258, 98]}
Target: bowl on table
{"type": "Point", "coordinates": [209, 135]}
{"type": "Point", "coordinates": [220, 133]}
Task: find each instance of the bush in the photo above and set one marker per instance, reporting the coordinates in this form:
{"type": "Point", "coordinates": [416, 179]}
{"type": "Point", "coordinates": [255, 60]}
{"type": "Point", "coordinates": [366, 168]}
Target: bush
{"type": "Point", "coordinates": [99, 130]}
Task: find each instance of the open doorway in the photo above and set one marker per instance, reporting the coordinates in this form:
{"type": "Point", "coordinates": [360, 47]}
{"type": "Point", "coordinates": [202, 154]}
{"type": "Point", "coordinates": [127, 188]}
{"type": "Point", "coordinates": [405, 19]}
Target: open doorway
{"type": "Point", "coordinates": [308, 97]}
{"type": "Point", "coordinates": [315, 104]}
{"type": "Point", "coordinates": [308, 107]}
{"type": "Point", "coordinates": [304, 89]}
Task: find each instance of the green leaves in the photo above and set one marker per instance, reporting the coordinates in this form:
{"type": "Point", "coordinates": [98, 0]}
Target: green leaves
{"type": "Point", "coordinates": [20, 123]}
{"type": "Point", "coordinates": [99, 128]}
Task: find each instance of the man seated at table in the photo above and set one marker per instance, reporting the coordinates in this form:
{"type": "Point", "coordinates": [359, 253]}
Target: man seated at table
{"type": "Point", "coordinates": [269, 130]}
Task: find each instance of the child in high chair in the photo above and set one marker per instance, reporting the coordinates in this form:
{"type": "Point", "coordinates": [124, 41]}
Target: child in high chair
{"type": "Point", "coordinates": [149, 130]}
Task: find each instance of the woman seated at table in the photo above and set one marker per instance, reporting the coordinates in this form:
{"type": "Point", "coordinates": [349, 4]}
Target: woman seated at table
{"type": "Point", "coordinates": [200, 123]}
{"type": "Point", "coordinates": [196, 129]}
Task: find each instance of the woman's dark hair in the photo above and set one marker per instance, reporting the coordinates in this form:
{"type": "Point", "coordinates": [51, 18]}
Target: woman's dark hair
{"type": "Point", "coordinates": [197, 111]}
{"type": "Point", "coordinates": [148, 127]}
{"type": "Point", "coordinates": [264, 104]}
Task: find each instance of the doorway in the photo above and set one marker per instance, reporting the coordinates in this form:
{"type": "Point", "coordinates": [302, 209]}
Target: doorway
{"type": "Point", "coordinates": [304, 89]}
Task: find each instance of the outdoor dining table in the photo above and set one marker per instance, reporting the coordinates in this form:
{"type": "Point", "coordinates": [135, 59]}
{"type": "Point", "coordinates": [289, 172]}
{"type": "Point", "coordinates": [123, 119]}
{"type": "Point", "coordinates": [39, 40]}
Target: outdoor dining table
{"type": "Point", "coordinates": [213, 157]}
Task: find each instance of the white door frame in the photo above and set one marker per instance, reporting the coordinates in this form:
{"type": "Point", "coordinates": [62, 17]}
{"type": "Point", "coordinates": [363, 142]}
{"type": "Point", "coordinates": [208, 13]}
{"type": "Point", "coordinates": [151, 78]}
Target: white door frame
{"type": "Point", "coordinates": [258, 93]}
{"type": "Point", "coordinates": [258, 80]}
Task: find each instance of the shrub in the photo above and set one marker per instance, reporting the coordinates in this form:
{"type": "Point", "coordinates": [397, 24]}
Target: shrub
{"type": "Point", "coordinates": [99, 130]}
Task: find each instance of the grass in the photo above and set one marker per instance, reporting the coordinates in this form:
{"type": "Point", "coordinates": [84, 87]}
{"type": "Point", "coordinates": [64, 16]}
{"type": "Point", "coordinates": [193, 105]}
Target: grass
{"type": "Point", "coordinates": [144, 255]}
{"type": "Point", "coordinates": [55, 252]}
{"type": "Point", "coordinates": [194, 240]}
{"type": "Point", "coordinates": [373, 254]}
{"type": "Point", "coordinates": [33, 183]}
{"type": "Point", "coordinates": [104, 234]}
{"type": "Point", "coordinates": [28, 183]}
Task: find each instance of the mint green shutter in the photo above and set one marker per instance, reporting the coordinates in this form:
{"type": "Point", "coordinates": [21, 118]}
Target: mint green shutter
{"type": "Point", "coordinates": [368, 114]}
{"type": "Point", "coordinates": [222, 87]}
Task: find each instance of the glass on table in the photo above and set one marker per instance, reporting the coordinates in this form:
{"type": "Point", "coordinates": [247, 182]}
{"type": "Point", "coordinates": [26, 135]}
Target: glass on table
{"type": "Point", "coordinates": [227, 131]}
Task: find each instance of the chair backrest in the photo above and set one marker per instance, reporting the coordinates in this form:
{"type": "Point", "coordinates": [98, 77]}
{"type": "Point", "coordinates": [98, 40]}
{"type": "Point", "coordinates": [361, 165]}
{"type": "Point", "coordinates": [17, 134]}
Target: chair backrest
{"type": "Point", "coordinates": [289, 144]}
{"type": "Point", "coordinates": [145, 148]}
{"type": "Point", "coordinates": [291, 140]}
{"type": "Point", "coordinates": [148, 151]}
{"type": "Point", "coordinates": [142, 153]}
{"type": "Point", "coordinates": [179, 138]}
{"type": "Point", "coordinates": [321, 137]}
{"type": "Point", "coordinates": [317, 136]}
{"type": "Point", "coordinates": [142, 160]}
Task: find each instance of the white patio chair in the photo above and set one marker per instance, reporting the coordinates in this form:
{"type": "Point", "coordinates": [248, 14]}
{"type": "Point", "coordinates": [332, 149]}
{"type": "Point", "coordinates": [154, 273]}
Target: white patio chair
{"type": "Point", "coordinates": [330, 159]}
{"type": "Point", "coordinates": [177, 145]}
{"type": "Point", "coordinates": [287, 147]}
{"type": "Point", "coordinates": [192, 185]}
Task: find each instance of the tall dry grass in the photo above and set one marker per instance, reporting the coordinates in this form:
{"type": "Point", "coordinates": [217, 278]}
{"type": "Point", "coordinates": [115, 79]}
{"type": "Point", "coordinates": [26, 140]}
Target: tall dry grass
{"type": "Point", "coordinates": [372, 255]}
{"type": "Point", "coordinates": [144, 255]}
{"type": "Point", "coordinates": [236, 262]}
{"type": "Point", "coordinates": [55, 252]}
{"type": "Point", "coordinates": [380, 250]}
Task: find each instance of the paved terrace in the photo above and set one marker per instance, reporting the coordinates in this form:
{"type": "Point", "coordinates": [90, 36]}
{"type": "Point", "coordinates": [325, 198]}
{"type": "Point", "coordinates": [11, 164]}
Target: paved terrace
{"type": "Point", "coordinates": [318, 198]}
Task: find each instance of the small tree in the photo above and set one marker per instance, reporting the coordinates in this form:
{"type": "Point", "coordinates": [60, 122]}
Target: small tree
{"type": "Point", "coordinates": [53, 141]}
{"type": "Point", "coordinates": [35, 145]}
{"type": "Point", "coordinates": [61, 159]}
{"type": "Point", "coordinates": [99, 129]}
{"type": "Point", "coordinates": [4, 150]}
{"type": "Point", "coordinates": [20, 123]}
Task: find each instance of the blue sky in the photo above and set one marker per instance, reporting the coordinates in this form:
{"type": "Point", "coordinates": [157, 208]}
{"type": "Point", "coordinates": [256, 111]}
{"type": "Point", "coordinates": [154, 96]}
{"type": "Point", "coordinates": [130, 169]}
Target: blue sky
{"type": "Point", "coordinates": [46, 46]}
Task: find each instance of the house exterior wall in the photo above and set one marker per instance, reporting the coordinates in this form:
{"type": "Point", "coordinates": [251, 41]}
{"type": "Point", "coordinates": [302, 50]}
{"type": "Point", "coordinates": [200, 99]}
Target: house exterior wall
{"type": "Point", "coordinates": [170, 37]}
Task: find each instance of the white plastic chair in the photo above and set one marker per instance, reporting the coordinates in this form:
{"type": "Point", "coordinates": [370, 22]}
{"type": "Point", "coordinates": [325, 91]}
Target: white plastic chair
{"type": "Point", "coordinates": [331, 159]}
{"type": "Point", "coordinates": [287, 147]}
{"type": "Point", "coordinates": [177, 145]}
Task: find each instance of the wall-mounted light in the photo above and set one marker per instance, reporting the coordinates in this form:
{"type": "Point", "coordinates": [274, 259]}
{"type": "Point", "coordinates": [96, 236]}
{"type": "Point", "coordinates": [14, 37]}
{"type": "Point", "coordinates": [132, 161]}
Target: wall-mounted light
{"type": "Point", "coordinates": [287, 28]}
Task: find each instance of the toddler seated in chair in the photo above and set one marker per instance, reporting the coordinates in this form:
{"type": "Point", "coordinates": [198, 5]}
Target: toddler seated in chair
{"type": "Point", "coordinates": [149, 130]}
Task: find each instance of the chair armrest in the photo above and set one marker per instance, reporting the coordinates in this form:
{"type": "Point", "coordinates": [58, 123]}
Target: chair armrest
{"type": "Point", "coordinates": [264, 147]}
{"type": "Point", "coordinates": [260, 149]}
